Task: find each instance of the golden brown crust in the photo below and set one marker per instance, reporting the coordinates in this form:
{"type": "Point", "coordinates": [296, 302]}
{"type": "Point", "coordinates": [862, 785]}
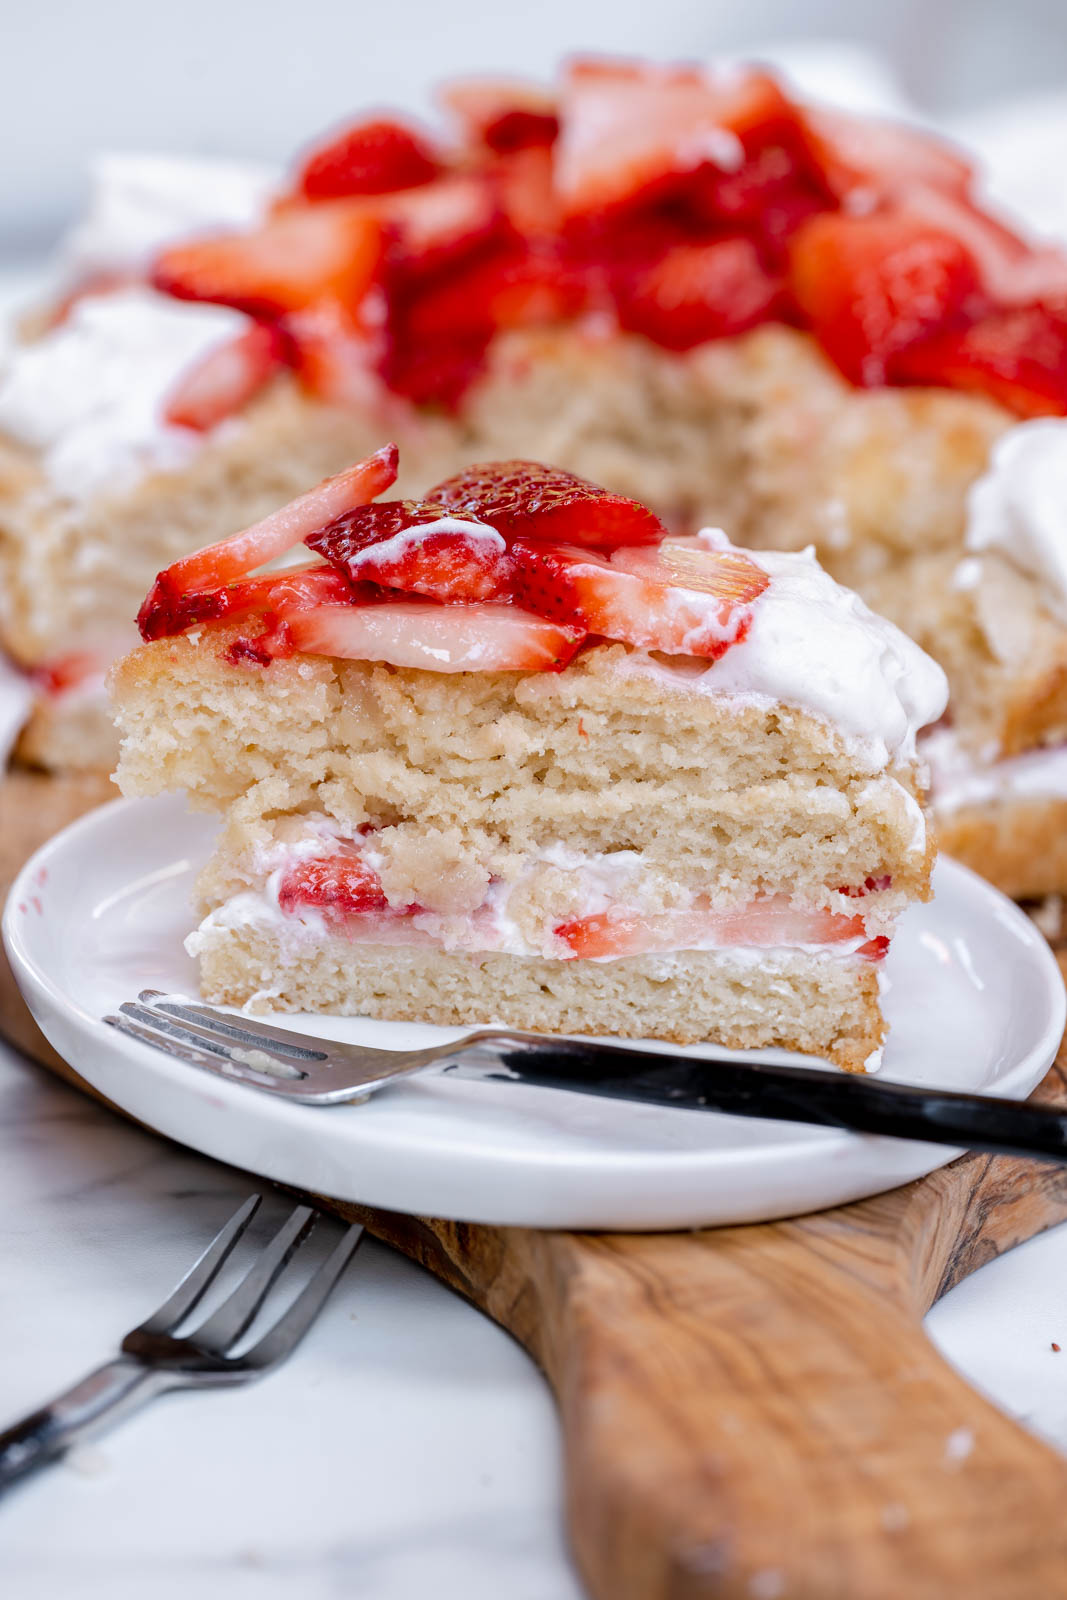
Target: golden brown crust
{"type": "Point", "coordinates": [1018, 845]}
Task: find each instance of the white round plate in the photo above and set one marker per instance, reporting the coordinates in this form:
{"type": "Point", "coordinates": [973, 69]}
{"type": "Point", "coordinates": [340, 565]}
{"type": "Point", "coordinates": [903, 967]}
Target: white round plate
{"type": "Point", "coordinates": [974, 998]}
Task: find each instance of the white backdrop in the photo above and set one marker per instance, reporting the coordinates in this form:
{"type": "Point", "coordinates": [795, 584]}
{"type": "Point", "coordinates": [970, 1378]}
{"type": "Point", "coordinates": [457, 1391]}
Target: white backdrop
{"type": "Point", "coordinates": [256, 77]}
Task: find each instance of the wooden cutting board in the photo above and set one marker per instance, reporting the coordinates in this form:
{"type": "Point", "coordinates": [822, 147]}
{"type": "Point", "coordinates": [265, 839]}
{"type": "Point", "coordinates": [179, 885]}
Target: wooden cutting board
{"type": "Point", "coordinates": [751, 1412]}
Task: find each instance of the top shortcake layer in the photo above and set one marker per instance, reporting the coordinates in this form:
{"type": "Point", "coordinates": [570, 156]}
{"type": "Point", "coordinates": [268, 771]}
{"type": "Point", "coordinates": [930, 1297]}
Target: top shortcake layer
{"type": "Point", "coordinates": [678, 205]}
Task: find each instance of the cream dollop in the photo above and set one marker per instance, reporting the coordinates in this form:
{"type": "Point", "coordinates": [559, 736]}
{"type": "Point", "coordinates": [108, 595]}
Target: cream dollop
{"type": "Point", "coordinates": [814, 645]}
{"type": "Point", "coordinates": [90, 394]}
{"type": "Point", "coordinates": [1018, 508]}
{"type": "Point", "coordinates": [137, 203]}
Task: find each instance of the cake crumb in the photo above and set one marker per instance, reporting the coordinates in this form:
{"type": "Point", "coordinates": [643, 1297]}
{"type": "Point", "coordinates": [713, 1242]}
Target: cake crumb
{"type": "Point", "coordinates": [1055, 1347]}
{"type": "Point", "coordinates": [958, 1446]}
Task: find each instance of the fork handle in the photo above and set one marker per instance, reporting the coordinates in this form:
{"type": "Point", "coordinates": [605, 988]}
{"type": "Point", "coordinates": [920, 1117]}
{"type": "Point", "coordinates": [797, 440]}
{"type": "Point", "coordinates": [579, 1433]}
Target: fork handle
{"type": "Point", "coordinates": [48, 1433]}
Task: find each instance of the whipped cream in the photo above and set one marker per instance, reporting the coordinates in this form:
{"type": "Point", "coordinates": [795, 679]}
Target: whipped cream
{"type": "Point", "coordinates": [960, 778]}
{"type": "Point", "coordinates": [814, 645]}
{"type": "Point", "coordinates": [138, 203]}
{"type": "Point", "coordinates": [1018, 508]}
{"type": "Point", "coordinates": [90, 394]}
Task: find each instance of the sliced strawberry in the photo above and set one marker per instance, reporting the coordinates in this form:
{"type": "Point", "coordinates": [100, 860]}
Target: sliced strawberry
{"type": "Point", "coordinates": [375, 157]}
{"type": "Point", "coordinates": [680, 599]}
{"type": "Point", "coordinates": [524, 184]}
{"type": "Point", "coordinates": [337, 350]}
{"type": "Point", "coordinates": [457, 638]}
{"type": "Point", "coordinates": [528, 500]}
{"type": "Point", "coordinates": [875, 949]}
{"type": "Point", "coordinates": [879, 157]}
{"type": "Point", "coordinates": [418, 547]}
{"type": "Point", "coordinates": [339, 885]}
{"type": "Point", "coordinates": [1017, 357]}
{"type": "Point", "coordinates": [439, 222]}
{"type": "Point", "coordinates": [222, 563]}
{"type": "Point", "coordinates": [1012, 272]}
{"type": "Point", "coordinates": [695, 292]}
{"type": "Point", "coordinates": [631, 131]}
{"type": "Point", "coordinates": [225, 379]}
{"type": "Point", "coordinates": [872, 286]}
{"type": "Point", "coordinates": [297, 588]}
{"type": "Point", "coordinates": [773, 920]}
{"type": "Point", "coordinates": [301, 255]}
{"type": "Point", "coordinates": [504, 116]}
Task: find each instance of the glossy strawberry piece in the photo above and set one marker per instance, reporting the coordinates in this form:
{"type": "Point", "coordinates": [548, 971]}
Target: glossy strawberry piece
{"type": "Point", "coordinates": [698, 291]}
{"type": "Point", "coordinates": [525, 499]}
{"type": "Point", "coordinates": [298, 588]}
{"type": "Point", "coordinates": [876, 157]}
{"type": "Point", "coordinates": [680, 598]}
{"type": "Point", "coordinates": [872, 286]}
{"type": "Point", "coordinates": [504, 115]}
{"type": "Point", "coordinates": [302, 255]}
{"type": "Point", "coordinates": [454, 638]}
{"type": "Point", "coordinates": [773, 920]}
{"type": "Point", "coordinates": [1016, 357]}
{"type": "Point", "coordinates": [401, 544]}
{"type": "Point", "coordinates": [375, 157]}
{"type": "Point", "coordinates": [225, 380]}
{"type": "Point", "coordinates": [219, 564]}
{"type": "Point", "coordinates": [338, 885]}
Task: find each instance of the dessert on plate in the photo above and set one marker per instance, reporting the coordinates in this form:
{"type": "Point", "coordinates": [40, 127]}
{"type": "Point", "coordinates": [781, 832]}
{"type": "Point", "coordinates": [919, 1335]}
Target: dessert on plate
{"type": "Point", "coordinates": [512, 751]}
{"type": "Point", "coordinates": [684, 283]}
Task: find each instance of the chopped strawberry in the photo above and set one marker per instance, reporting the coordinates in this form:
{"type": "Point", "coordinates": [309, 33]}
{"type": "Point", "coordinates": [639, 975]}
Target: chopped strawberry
{"type": "Point", "coordinates": [878, 158]}
{"type": "Point", "coordinates": [868, 886]}
{"type": "Point", "coordinates": [336, 351]}
{"type": "Point", "coordinates": [695, 292]}
{"type": "Point", "coordinates": [1017, 357]}
{"type": "Point", "coordinates": [297, 588]}
{"type": "Point", "coordinates": [420, 548]}
{"type": "Point", "coordinates": [222, 563]}
{"type": "Point", "coordinates": [772, 920]}
{"type": "Point", "coordinates": [339, 885]}
{"type": "Point", "coordinates": [300, 256]}
{"type": "Point", "coordinates": [524, 184]}
{"type": "Point", "coordinates": [512, 287]}
{"type": "Point", "coordinates": [504, 116]}
{"type": "Point", "coordinates": [374, 157]}
{"type": "Point", "coordinates": [457, 638]}
{"type": "Point", "coordinates": [440, 221]}
{"type": "Point", "coordinates": [680, 599]}
{"type": "Point", "coordinates": [67, 672]}
{"type": "Point", "coordinates": [1011, 271]}
{"type": "Point", "coordinates": [875, 949]}
{"type": "Point", "coordinates": [225, 379]}
{"type": "Point", "coordinates": [631, 132]}
{"type": "Point", "coordinates": [871, 286]}
{"type": "Point", "coordinates": [525, 499]}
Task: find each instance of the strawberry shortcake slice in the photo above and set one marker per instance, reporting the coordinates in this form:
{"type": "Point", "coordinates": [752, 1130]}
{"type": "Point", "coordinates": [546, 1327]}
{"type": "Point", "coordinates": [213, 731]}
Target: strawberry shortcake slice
{"type": "Point", "coordinates": [513, 751]}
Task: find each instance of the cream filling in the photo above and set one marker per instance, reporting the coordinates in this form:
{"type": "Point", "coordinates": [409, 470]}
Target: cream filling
{"type": "Point", "coordinates": [1018, 509]}
{"type": "Point", "coordinates": [959, 779]}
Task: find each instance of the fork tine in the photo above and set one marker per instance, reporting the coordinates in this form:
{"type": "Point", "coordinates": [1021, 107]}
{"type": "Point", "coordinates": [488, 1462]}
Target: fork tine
{"type": "Point", "coordinates": [171, 1045]}
{"type": "Point", "coordinates": [202, 1274]}
{"type": "Point", "coordinates": [226, 1325]}
{"type": "Point", "coordinates": [292, 1325]}
{"type": "Point", "coordinates": [236, 1056]}
{"type": "Point", "coordinates": [240, 1030]}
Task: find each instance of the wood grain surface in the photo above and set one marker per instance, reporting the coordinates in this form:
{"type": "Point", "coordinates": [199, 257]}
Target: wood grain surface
{"type": "Point", "coordinates": [753, 1412]}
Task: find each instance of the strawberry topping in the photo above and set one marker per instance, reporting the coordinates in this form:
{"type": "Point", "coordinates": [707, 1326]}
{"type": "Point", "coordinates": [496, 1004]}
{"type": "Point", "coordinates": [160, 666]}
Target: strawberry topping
{"type": "Point", "coordinates": [1018, 357]}
{"type": "Point", "coordinates": [525, 499]}
{"type": "Point", "coordinates": [683, 600]}
{"type": "Point", "coordinates": [338, 885]}
{"type": "Point", "coordinates": [437, 638]}
{"type": "Point", "coordinates": [697, 291]}
{"type": "Point", "coordinates": [772, 920]}
{"type": "Point", "coordinates": [375, 157]}
{"type": "Point", "coordinates": [401, 544]}
{"type": "Point", "coordinates": [225, 379]}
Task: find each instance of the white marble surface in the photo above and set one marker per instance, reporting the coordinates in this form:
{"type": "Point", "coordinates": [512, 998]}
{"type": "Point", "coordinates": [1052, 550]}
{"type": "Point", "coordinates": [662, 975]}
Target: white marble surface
{"type": "Point", "coordinates": [408, 1448]}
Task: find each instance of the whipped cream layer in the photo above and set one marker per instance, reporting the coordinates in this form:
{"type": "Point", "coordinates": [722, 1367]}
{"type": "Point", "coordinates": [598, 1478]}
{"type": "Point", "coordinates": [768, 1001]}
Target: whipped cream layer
{"type": "Point", "coordinates": [138, 203]}
{"type": "Point", "coordinates": [960, 778]}
{"type": "Point", "coordinates": [609, 905]}
{"type": "Point", "coordinates": [815, 645]}
{"type": "Point", "coordinates": [90, 395]}
{"type": "Point", "coordinates": [1018, 508]}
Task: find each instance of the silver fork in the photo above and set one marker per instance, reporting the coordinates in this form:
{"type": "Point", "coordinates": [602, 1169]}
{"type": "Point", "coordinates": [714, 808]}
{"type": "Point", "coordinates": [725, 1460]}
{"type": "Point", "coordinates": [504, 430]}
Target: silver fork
{"type": "Point", "coordinates": [154, 1358]}
{"type": "Point", "coordinates": [320, 1072]}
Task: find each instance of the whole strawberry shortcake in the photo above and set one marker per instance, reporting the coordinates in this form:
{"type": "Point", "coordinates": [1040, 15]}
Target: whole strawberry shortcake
{"type": "Point", "coordinates": [512, 751]}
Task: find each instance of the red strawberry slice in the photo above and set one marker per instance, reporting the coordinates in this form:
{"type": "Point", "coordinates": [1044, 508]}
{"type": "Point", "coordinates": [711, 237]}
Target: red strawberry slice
{"type": "Point", "coordinates": [1011, 271]}
{"type": "Point", "coordinates": [695, 292]}
{"type": "Point", "coordinates": [225, 379]}
{"type": "Point", "coordinates": [680, 598]}
{"type": "Point", "coordinates": [773, 920]}
{"type": "Point", "coordinates": [528, 500]}
{"type": "Point", "coordinates": [418, 547]}
{"type": "Point", "coordinates": [457, 638]}
{"type": "Point", "coordinates": [872, 286]}
{"type": "Point", "coordinates": [630, 131]}
{"type": "Point", "coordinates": [338, 885]}
{"type": "Point", "coordinates": [440, 221]}
{"type": "Point", "coordinates": [222, 563]}
{"type": "Point", "coordinates": [504, 116]}
{"type": "Point", "coordinates": [526, 190]}
{"type": "Point", "coordinates": [1017, 357]}
{"type": "Point", "coordinates": [301, 255]}
{"type": "Point", "coordinates": [881, 157]}
{"type": "Point", "coordinates": [336, 351]}
{"type": "Point", "coordinates": [300, 588]}
{"type": "Point", "coordinates": [375, 157]}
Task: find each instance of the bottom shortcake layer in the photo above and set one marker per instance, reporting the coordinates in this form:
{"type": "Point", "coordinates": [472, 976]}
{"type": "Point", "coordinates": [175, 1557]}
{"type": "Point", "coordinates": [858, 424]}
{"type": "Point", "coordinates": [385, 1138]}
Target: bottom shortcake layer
{"type": "Point", "coordinates": [1018, 844]}
{"type": "Point", "coordinates": [816, 1003]}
